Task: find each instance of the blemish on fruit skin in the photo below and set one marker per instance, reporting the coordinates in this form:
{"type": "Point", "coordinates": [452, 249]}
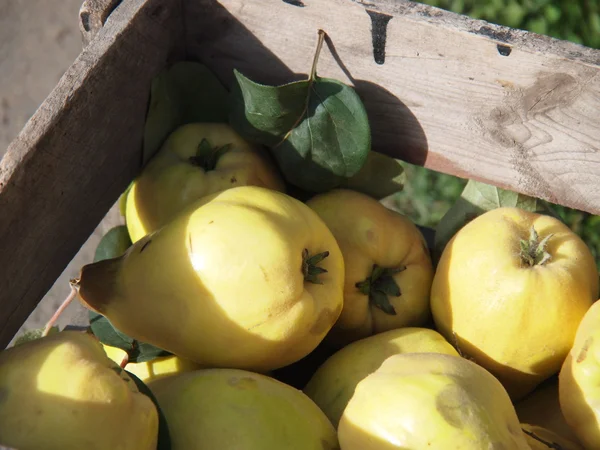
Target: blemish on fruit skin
{"type": "Point", "coordinates": [583, 353]}
{"type": "Point", "coordinates": [450, 403]}
{"type": "Point", "coordinates": [370, 235]}
{"type": "Point", "coordinates": [327, 445]}
{"type": "Point", "coordinates": [242, 382]}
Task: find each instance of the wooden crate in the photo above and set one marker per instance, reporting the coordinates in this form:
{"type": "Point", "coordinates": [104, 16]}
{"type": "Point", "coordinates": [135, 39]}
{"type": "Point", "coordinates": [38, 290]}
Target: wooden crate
{"type": "Point", "coordinates": [460, 96]}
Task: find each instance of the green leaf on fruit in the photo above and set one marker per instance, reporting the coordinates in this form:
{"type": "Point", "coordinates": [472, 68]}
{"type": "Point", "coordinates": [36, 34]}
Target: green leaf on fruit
{"type": "Point", "coordinates": [186, 92]}
{"type": "Point", "coordinates": [317, 129]}
{"type": "Point", "coordinates": [109, 335]}
{"type": "Point", "coordinates": [164, 435]}
{"type": "Point", "coordinates": [476, 199]}
{"type": "Point", "coordinates": [381, 176]}
{"type": "Point", "coordinates": [32, 335]}
{"type": "Point", "coordinates": [113, 244]}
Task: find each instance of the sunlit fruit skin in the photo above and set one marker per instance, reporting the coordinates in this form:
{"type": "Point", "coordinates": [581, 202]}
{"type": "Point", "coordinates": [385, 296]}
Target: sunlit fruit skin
{"type": "Point", "coordinates": [231, 409]}
{"type": "Point", "coordinates": [63, 392]}
{"type": "Point", "coordinates": [370, 234]}
{"type": "Point", "coordinates": [540, 438]}
{"type": "Point", "coordinates": [334, 382]}
{"type": "Point", "coordinates": [418, 401]}
{"type": "Point", "coordinates": [170, 180]}
{"type": "Point", "coordinates": [579, 381]}
{"type": "Point", "coordinates": [516, 320]}
{"type": "Point", "coordinates": [223, 284]}
{"type": "Point", "coordinates": [542, 408]}
{"type": "Point", "coordinates": [154, 369]}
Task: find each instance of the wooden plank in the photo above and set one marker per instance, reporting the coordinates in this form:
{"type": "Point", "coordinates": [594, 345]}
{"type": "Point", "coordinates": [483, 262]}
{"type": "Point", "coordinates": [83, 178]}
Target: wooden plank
{"type": "Point", "coordinates": [77, 153]}
{"type": "Point", "coordinates": [456, 95]}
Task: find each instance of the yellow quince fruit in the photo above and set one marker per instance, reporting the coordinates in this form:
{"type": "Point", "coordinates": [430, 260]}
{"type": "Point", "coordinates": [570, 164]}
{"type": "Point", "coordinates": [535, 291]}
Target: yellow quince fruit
{"type": "Point", "coordinates": [196, 160]}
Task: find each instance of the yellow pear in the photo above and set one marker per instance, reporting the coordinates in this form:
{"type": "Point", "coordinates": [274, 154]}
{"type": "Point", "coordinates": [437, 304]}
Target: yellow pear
{"type": "Point", "coordinates": [430, 401]}
{"type": "Point", "coordinates": [197, 159]}
{"type": "Point", "coordinates": [232, 409]}
{"type": "Point", "coordinates": [62, 392]}
{"type": "Point", "coordinates": [333, 383]}
{"type": "Point", "coordinates": [579, 381]}
{"type": "Point", "coordinates": [247, 278]}
{"type": "Point", "coordinates": [388, 269]}
{"type": "Point", "coordinates": [511, 287]}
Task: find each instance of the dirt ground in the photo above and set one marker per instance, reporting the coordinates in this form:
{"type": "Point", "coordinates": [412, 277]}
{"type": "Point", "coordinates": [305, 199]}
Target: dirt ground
{"type": "Point", "coordinates": [39, 39]}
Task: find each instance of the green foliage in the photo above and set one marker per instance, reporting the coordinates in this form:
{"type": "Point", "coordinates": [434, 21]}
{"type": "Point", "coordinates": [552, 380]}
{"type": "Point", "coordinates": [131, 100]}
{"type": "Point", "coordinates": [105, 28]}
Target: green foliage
{"type": "Point", "coordinates": [476, 199]}
{"type": "Point", "coordinates": [317, 129]}
{"type": "Point", "coordinates": [427, 195]}
{"type": "Point", "coordinates": [185, 92]}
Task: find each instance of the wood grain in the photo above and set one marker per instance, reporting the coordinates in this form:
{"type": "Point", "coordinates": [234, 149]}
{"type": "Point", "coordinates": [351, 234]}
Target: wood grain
{"type": "Point", "coordinates": [77, 153]}
{"type": "Point", "coordinates": [457, 95]}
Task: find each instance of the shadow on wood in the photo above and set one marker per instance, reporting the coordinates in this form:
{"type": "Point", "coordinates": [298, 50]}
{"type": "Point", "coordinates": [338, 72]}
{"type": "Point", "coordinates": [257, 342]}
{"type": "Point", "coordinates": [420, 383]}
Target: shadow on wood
{"type": "Point", "coordinates": [395, 129]}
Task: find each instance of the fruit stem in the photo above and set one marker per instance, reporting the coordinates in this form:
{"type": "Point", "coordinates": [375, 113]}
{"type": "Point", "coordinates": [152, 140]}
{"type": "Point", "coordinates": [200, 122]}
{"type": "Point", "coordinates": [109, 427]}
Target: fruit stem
{"type": "Point", "coordinates": [74, 285]}
{"type": "Point", "coordinates": [313, 70]}
{"type": "Point", "coordinates": [379, 284]}
{"type": "Point", "coordinates": [311, 79]}
{"type": "Point", "coordinates": [124, 361]}
{"type": "Point", "coordinates": [310, 270]}
{"type": "Point", "coordinates": [207, 155]}
{"type": "Point", "coordinates": [533, 251]}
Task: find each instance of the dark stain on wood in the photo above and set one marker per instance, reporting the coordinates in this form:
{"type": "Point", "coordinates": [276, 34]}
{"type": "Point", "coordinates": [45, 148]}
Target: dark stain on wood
{"type": "Point", "coordinates": [295, 3]}
{"type": "Point", "coordinates": [379, 23]}
{"type": "Point", "coordinates": [498, 35]}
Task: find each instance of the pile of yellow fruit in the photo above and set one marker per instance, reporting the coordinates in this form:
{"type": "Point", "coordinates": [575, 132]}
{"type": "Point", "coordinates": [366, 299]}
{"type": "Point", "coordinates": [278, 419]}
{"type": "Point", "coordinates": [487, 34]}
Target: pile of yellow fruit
{"type": "Point", "coordinates": [494, 346]}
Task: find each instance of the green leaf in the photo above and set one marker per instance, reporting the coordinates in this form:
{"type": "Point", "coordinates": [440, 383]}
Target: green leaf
{"type": "Point", "coordinates": [388, 286]}
{"type": "Point", "coordinates": [186, 92]}
{"type": "Point", "coordinates": [476, 199]}
{"type": "Point", "coordinates": [380, 177]}
{"type": "Point", "coordinates": [113, 244]}
{"type": "Point", "coordinates": [316, 129]}
{"type": "Point", "coordinates": [109, 335]}
{"type": "Point", "coordinates": [380, 300]}
{"type": "Point", "coordinates": [164, 436]}
{"type": "Point", "coordinates": [32, 335]}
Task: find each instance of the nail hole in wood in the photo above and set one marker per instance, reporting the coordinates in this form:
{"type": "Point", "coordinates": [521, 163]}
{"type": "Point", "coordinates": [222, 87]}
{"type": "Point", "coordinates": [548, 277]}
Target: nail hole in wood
{"type": "Point", "coordinates": [85, 20]}
{"type": "Point", "coordinates": [379, 24]}
{"type": "Point", "coordinates": [504, 50]}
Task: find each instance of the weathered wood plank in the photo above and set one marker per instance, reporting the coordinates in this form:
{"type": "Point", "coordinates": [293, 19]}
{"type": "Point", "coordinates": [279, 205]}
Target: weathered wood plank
{"type": "Point", "coordinates": [77, 153]}
{"type": "Point", "coordinates": [461, 96]}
